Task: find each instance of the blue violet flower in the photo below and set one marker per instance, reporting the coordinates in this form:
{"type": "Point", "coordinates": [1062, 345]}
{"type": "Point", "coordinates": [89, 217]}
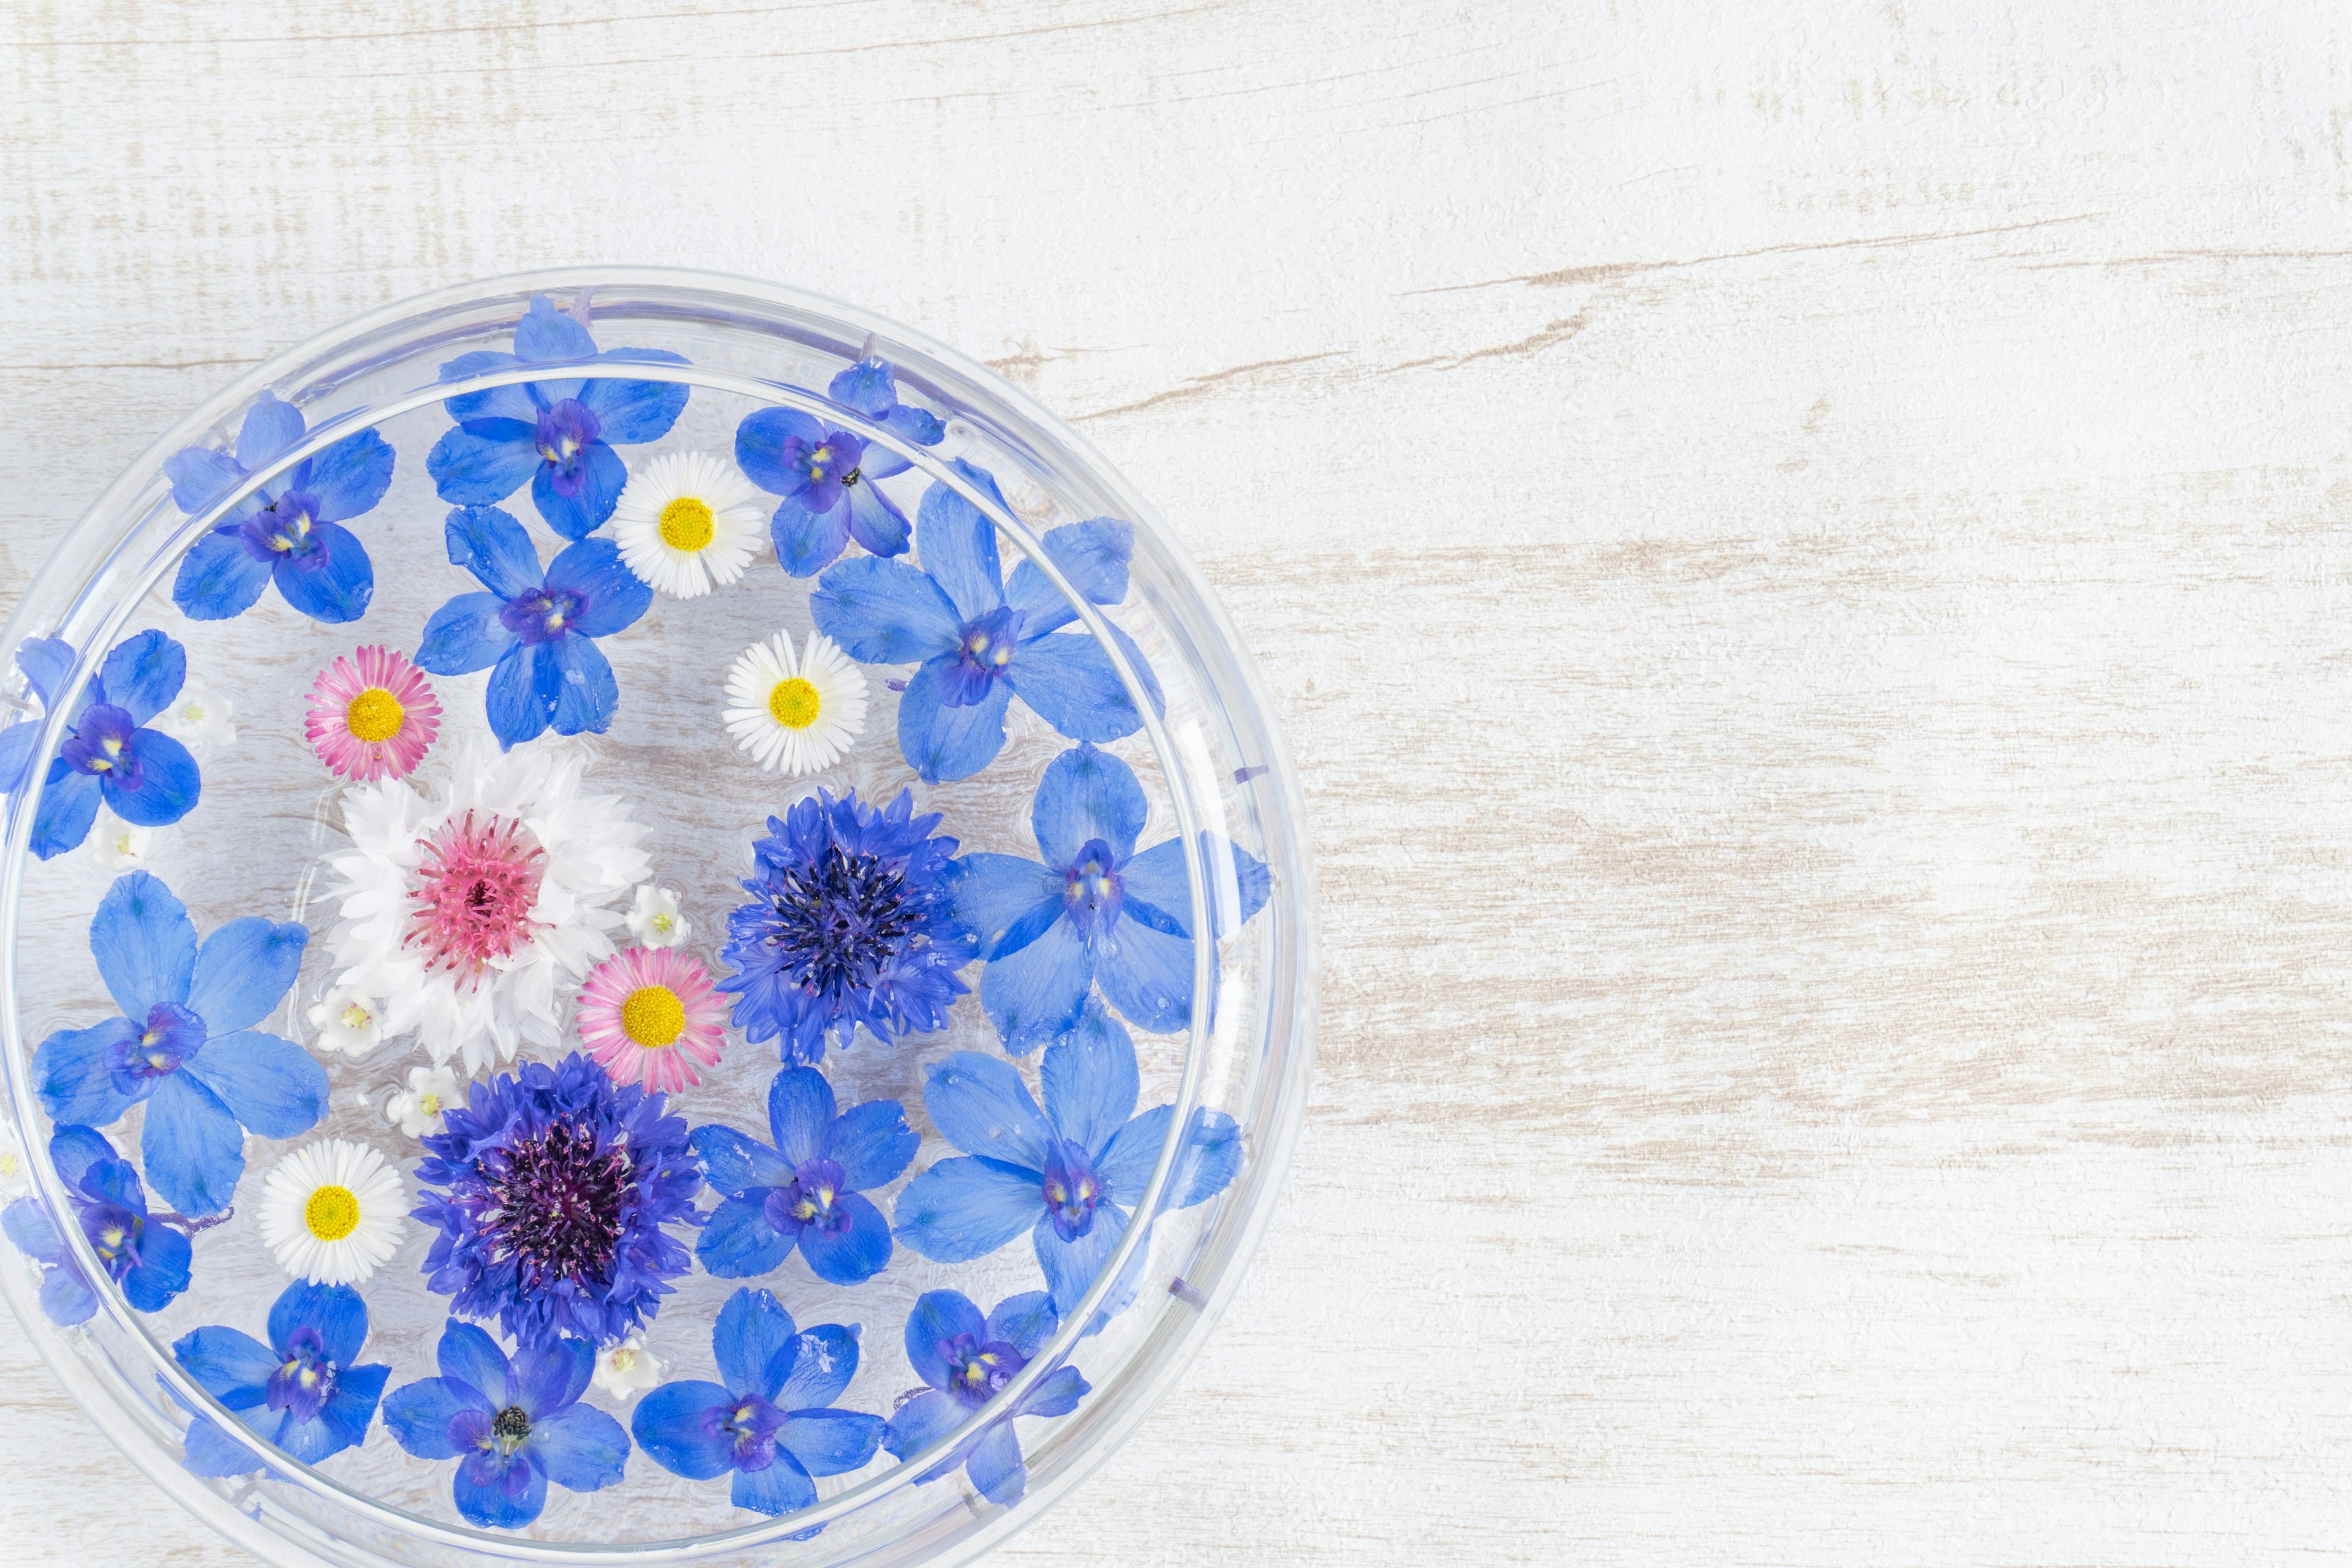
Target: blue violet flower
{"type": "Point", "coordinates": [805, 1191]}
{"type": "Point", "coordinates": [1069, 1175]}
{"type": "Point", "coordinates": [553, 1185]}
{"type": "Point", "coordinates": [826, 476]}
{"type": "Point", "coordinates": [302, 1391]}
{"type": "Point", "coordinates": [558, 434]}
{"type": "Point", "coordinates": [980, 640]}
{"type": "Point", "coordinates": [534, 630]}
{"type": "Point", "coordinates": [1093, 912]}
{"type": "Point", "coordinates": [772, 1421]}
{"type": "Point", "coordinates": [513, 1426]}
{"type": "Point", "coordinates": [144, 776]}
{"type": "Point", "coordinates": [849, 923]}
{"type": "Point", "coordinates": [965, 1360]}
{"type": "Point", "coordinates": [186, 1046]}
{"type": "Point", "coordinates": [288, 531]}
{"type": "Point", "coordinates": [141, 1252]}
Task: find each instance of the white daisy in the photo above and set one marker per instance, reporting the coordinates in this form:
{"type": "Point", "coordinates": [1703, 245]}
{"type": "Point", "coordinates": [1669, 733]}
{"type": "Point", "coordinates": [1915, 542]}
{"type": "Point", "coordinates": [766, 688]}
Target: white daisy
{"type": "Point", "coordinates": [798, 714]}
{"type": "Point", "coordinates": [117, 844]}
{"type": "Point", "coordinates": [688, 521]}
{"type": "Point", "coordinates": [199, 720]}
{"type": "Point", "coordinates": [476, 914]}
{"type": "Point", "coordinates": [655, 921]}
{"type": "Point", "coordinates": [332, 1212]}
{"type": "Point", "coordinates": [420, 1107]}
{"type": "Point", "coordinates": [627, 1369]}
{"type": "Point", "coordinates": [348, 1021]}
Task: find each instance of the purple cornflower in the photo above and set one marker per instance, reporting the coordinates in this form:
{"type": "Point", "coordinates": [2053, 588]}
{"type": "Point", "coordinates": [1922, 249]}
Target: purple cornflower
{"type": "Point", "coordinates": [141, 1252]}
{"type": "Point", "coordinates": [301, 1391]}
{"type": "Point", "coordinates": [805, 1191]}
{"type": "Point", "coordinates": [144, 776]}
{"type": "Point", "coordinates": [965, 1360]}
{"type": "Point", "coordinates": [826, 474]}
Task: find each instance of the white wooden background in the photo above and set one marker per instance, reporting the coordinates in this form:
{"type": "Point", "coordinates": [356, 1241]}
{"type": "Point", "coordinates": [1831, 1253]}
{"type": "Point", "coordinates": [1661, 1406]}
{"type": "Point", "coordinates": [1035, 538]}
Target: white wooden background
{"type": "Point", "coordinates": [1804, 549]}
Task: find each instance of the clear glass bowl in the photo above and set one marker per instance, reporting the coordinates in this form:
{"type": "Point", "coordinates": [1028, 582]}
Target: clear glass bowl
{"type": "Point", "coordinates": [1211, 762]}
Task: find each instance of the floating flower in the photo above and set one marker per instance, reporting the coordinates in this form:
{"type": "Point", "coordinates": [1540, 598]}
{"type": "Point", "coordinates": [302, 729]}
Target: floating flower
{"type": "Point", "coordinates": [849, 924]}
{"type": "Point", "coordinates": [978, 641]}
{"type": "Point", "coordinates": [653, 919]}
{"type": "Point", "coordinates": [626, 1370]}
{"type": "Point", "coordinates": [286, 532]}
{"type": "Point", "coordinates": [1094, 911]}
{"type": "Point", "coordinates": [16, 1174]}
{"type": "Point", "coordinates": [967, 1360]}
{"type": "Point", "coordinates": [650, 1016]}
{"type": "Point", "coordinates": [118, 845]}
{"type": "Point", "coordinates": [1059, 1175]}
{"type": "Point", "coordinates": [431, 1094]}
{"type": "Point", "coordinates": [800, 712]}
{"type": "Point", "coordinates": [372, 716]}
{"type": "Point", "coordinates": [514, 1426]}
{"type": "Point", "coordinates": [302, 1391]}
{"type": "Point", "coordinates": [145, 777]}
{"type": "Point", "coordinates": [771, 1421]}
{"type": "Point", "coordinates": [556, 434]}
{"type": "Point", "coordinates": [199, 718]}
{"type": "Point", "coordinates": [331, 1212]}
{"type": "Point", "coordinates": [141, 1252]}
{"type": "Point", "coordinates": [550, 1187]}
{"type": "Point", "coordinates": [475, 913]}
{"type": "Point", "coordinates": [538, 629]}
{"type": "Point", "coordinates": [687, 522]}
{"type": "Point", "coordinates": [185, 1047]}
{"type": "Point", "coordinates": [349, 1021]}
{"type": "Point", "coordinates": [826, 474]}
{"type": "Point", "coordinates": [805, 1191]}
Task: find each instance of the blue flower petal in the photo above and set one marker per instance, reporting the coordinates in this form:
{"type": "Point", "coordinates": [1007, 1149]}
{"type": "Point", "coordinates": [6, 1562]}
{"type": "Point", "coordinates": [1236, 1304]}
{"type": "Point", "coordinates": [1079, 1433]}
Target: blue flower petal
{"type": "Point", "coordinates": [418, 1415]}
{"type": "Point", "coordinates": [169, 782]}
{"type": "Point", "coordinates": [1213, 1157]}
{"type": "Point", "coordinates": [581, 1448]}
{"type": "Point", "coordinates": [497, 401]}
{"type": "Point", "coordinates": [732, 1162]}
{"type": "Point", "coordinates": [943, 743]}
{"type": "Point", "coordinates": [1025, 1321]}
{"type": "Point", "coordinates": [547, 1378]}
{"type": "Point", "coordinates": [346, 1415]}
{"type": "Point", "coordinates": [516, 711]}
{"type": "Point", "coordinates": [822, 1366]}
{"type": "Point", "coordinates": [488, 541]}
{"type": "Point", "coordinates": [242, 970]}
{"type": "Point", "coordinates": [800, 1112]}
{"type": "Point", "coordinates": [1156, 878]}
{"type": "Point", "coordinates": [218, 579]}
{"type": "Point", "coordinates": [464, 635]}
{"type": "Point", "coordinates": [17, 750]}
{"type": "Point", "coordinates": [783, 1488]}
{"type": "Point", "coordinates": [980, 1105]}
{"type": "Point", "coordinates": [667, 1425]}
{"type": "Point", "coordinates": [575, 685]}
{"type": "Point", "coordinates": [601, 477]}
{"type": "Point", "coordinates": [1056, 1394]}
{"type": "Point", "coordinates": [830, 1442]}
{"type": "Point", "coordinates": [144, 944]}
{"type": "Point", "coordinates": [738, 1242]}
{"type": "Point", "coordinates": [162, 1272]}
{"type": "Point", "coordinates": [547, 333]}
{"type": "Point", "coordinates": [940, 1317]}
{"type": "Point", "coordinates": [350, 477]}
{"type": "Point", "coordinates": [632, 412]}
{"type": "Point", "coordinates": [209, 1452]}
{"type": "Point", "coordinates": [68, 805]}
{"type": "Point", "coordinates": [1086, 794]}
{"type": "Point", "coordinates": [227, 1363]}
{"type": "Point", "coordinates": [885, 612]}
{"type": "Point", "coordinates": [1126, 1160]}
{"type": "Point", "coordinates": [272, 1085]}
{"type": "Point", "coordinates": [333, 585]}
{"type": "Point", "coordinates": [760, 446]}
{"type": "Point", "coordinates": [270, 426]}
{"type": "Point", "coordinates": [483, 461]}
{"type": "Point", "coordinates": [336, 1311]}
{"type": "Point", "coordinates": [47, 662]}
{"type": "Point", "coordinates": [29, 1229]}
{"type": "Point", "coordinates": [922, 1421]}
{"type": "Point", "coordinates": [874, 519]}
{"type": "Point", "coordinates": [1089, 1077]}
{"type": "Point", "coordinates": [966, 1209]}
{"type": "Point", "coordinates": [486, 1502]}
{"type": "Point", "coordinates": [866, 387]}
{"type": "Point", "coordinates": [72, 1073]}
{"type": "Point", "coordinates": [1071, 1266]}
{"type": "Point", "coordinates": [194, 1148]}
{"type": "Point", "coordinates": [144, 674]}
{"type": "Point", "coordinates": [1069, 680]}
{"type": "Point", "coordinates": [957, 545]}
{"type": "Point", "coordinates": [855, 1253]}
{"type": "Point", "coordinates": [200, 476]}
{"type": "Point", "coordinates": [994, 1466]}
{"type": "Point", "coordinates": [1147, 974]}
{"type": "Point", "coordinates": [807, 541]}
{"type": "Point", "coordinates": [614, 596]}
{"type": "Point", "coordinates": [872, 1143]}
{"type": "Point", "coordinates": [66, 1297]}
{"type": "Point", "coordinates": [74, 1150]}
{"type": "Point", "coordinates": [469, 1356]}
{"type": "Point", "coordinates": [919, 425]}
{"type": "Point", "coordinates": [1007, 901]}
{"type": "Point", "coordinates": [1034, 995]}
{"type": "Point", "coordinates": [1093, 555]}
{"type": "Point", "coordinates": [753, 1341]}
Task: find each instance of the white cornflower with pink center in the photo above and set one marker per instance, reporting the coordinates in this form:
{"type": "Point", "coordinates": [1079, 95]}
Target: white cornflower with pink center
{"type": "Point", "coordinates": [651, 1016]}
{"type": "Point", "coordinates": [372, 715]}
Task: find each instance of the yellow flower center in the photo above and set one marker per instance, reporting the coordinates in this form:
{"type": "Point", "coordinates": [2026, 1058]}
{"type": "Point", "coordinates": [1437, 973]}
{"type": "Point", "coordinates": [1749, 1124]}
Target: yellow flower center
{"type": "Point", "coordinates": [793, 703]}
{"type": "Point", "coordinates": [687, 523]}
{"type": "Point", "coordinates": [624, 1359]}
{"type": "Point", "coordinates": [357, 1017]}
{"type": "Point", "coordinates": [332, 1213]}
{"type": "Point", "coordinates": [374, 715]}
{"type": "Point", "coordinates": [665, 924]}
{"type": "Point", "coordinates": [193, 712]}
{"type": "Point", "coordinates": [430, 1104]}
{"type": "Point", "coordinates": [653, 1016]}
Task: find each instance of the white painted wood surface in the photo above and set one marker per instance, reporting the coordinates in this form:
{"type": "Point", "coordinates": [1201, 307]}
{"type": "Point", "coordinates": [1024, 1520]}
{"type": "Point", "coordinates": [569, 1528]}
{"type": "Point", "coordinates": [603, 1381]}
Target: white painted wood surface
{"type": "Point", "coordinates": [1804, 551]}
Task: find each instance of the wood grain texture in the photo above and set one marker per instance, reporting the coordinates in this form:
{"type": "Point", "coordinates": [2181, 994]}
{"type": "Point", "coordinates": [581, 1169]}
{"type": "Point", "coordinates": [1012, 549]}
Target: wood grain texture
{"type": "Point", "coordinates": [1803, 549]}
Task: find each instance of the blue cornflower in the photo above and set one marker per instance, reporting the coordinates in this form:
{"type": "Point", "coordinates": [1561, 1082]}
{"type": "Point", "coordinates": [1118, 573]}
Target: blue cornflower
{"type": "Point", "coordinates": [804, 1191]}
{"type": "Point", "coordinates": [537, 627]}
{"type": "Point", "coordinates": [557, 434]}
{"type": "Point", "coordinates": [141, 1252]}
{"type": "Point", "coordinates": [826, 476]}
{"type": "Point", "coordinates": [286, 534]}
{"type": "Point", "coordinates": [108, 754]}
{"type": "Point", "coordinates": [301, 1391]}
{"type": "Point", "coordinates": [1059, 1175]}
{"type": "Point", "coordinates": [966, 1361]}
{"type": "Point", "coordinates": [771, 1421]}
{"type": "Point", "coordinates": [514, 1426]}
{"type": "Point", "coordinates": [977, 639]}
{"type": "Point", "coordinates": [1093, 912]}
{"type": "Point", "coordinates": [555, 1185]}
{"type": "Point", "coordinates": [186, 1045]}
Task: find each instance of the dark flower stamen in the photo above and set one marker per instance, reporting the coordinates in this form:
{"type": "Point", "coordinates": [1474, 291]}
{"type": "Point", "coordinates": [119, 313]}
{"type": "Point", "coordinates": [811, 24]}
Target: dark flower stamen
{"type": "Point", "coordinates": [558, 1200]}
{"type": "Point", "coordinates": [509, 1427]}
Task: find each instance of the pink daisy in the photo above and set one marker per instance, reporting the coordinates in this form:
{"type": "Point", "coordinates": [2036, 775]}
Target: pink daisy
{"type": "Point", "coordinates": [651, 1016]}
{"type": "Point", "coordinates": [372, 716]}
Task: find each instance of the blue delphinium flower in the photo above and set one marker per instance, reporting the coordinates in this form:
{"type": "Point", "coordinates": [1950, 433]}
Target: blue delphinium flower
{"type": "Point", "coordinates": [979, 640]}
{"type": "Point", "coordinates": [826, 476]}
{"type": "Point", "coordinates": [303, 1391]}
{"type": "Point", "coordinates": [553, 1187]}
{"type": "Point", "coordinates": [186, 1045]}
{"type": "Point", "coordinates": [538, 628]}
{"type": "Point", "coordinates": [771, 1421]}
{"type": "Point", "coordinates": [108, 754]}
{"type": "Point", "coordinates": [804, 1191]}
{"type": "Point", "coordinates": [288, 532]}
{"type": "Point", "coordinates": [557, 434]}
{"type": "Point", "coordinates": [966, 1361]}
{"type": "Point", "coordinates": [1094, 911]}
{"type": "Point", "coordinates": [514, 1426]}
{"type": "Point", "coordinates": [1067, 1175]}
{"type": "Point", "coordinates": [849, 924]}
{"type": "Point", "coordinates": [141, 1252]}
